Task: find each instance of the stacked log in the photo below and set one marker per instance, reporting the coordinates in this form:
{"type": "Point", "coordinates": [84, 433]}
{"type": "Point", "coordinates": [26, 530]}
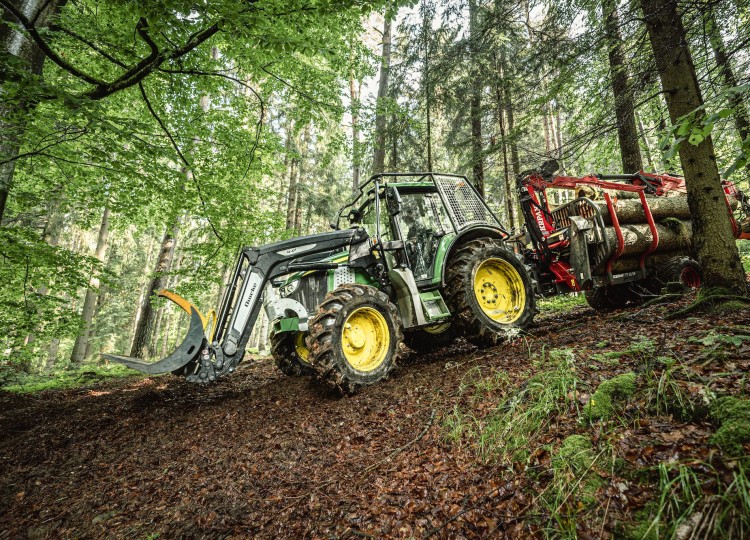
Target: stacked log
{"type": "Point", "coordinates": [672, 217]}
{"type": "Point", "coordinates": [674, 235]}
{"type": "Point", "coordinates": [631, 210]}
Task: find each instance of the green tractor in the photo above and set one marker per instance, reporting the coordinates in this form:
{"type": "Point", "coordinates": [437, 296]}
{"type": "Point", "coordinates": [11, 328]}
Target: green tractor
{"type": "Point", "coordinates": [417, 258]}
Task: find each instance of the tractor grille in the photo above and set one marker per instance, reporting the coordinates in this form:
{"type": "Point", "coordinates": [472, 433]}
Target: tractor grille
{"type": "Point", "coordinates": [464, 204]}
{"type": "Point", "coordinates": [578, 207]}
{"type": "Point", "coordinates": [311, 291]}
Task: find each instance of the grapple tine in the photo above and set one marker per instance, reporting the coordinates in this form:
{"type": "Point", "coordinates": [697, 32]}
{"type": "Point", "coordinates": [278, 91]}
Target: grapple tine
{"type": "Point", "coordinates": [185, 353]}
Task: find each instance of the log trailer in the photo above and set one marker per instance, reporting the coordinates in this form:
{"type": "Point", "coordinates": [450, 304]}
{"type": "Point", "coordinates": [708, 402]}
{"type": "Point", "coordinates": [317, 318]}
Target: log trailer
{"type": "Point", "coordinates": [615, 251]}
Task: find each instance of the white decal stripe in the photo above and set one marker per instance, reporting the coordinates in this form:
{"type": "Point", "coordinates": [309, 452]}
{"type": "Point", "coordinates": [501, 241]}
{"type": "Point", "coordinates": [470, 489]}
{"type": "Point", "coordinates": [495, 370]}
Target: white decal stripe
{"type": "Point", "coordinates": [250, 292]}
{"type": "Point", "coordinates": [298, 249]}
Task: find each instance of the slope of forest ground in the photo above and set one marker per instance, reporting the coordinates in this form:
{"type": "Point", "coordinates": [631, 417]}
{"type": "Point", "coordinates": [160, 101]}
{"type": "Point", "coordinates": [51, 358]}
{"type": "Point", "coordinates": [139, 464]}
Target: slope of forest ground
{"type": "Point", "coordinates": [595, 425]}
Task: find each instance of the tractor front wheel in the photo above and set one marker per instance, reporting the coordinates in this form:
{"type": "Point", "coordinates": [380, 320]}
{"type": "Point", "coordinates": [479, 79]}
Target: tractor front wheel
{"type": "Point", "coordinates": [489, 292]}
{"type": "Point", "coordinates": [290, 353]}
{"type": "Point", "coordinates": [354, 338]}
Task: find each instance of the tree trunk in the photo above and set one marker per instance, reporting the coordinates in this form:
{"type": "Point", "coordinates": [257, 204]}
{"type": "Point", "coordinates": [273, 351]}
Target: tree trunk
{"type": "Point", "coordinates": [304, 151]}
{"type": "Point", "coordinates": [515, 161]}
{"type": "Point", "coordinates": [291, 204]}
{"type": "Point", "coordinates": [101, 299]}
{"type": "Point", "coordinates": [87, 313]}
{"type": "Point", "coordinates": [144, 290]}
{"type": "Point", "coordinates": [713, 237]}
{"type": "Point", "coordinates": [426, 30]}
{"type": "Point", "coordinates": [627, 134]}
{"type": "Point", "coordinates": [142, 347]}
{"type": "Point", "coordinates": [741, 120]}
{"type": "Point", "coordinates": [354, 96]}
{"type": "Point", "coordinates": [646, 144]}
{"type": "Point", "coordinates": [503, 142]}
{"type": "Point", "coordinates": [475, 103]}
{"type": "Point", "coordinates": [559, 137]}
{"type": "Point", "coordinates": [547, 137]}
{"type": "Point", "coordinates": [263, 333]}
{"type": "Point", "coordinates": [13, 114]}
{"type": "Point", "coordinates": [378, 158]}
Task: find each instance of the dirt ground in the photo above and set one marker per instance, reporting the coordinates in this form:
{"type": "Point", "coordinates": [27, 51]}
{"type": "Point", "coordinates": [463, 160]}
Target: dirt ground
{"type": "Point", "coordinates": [261, 455]}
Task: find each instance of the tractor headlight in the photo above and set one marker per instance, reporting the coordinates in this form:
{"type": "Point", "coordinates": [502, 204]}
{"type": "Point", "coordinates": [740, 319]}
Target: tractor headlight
{"type": "Point", "coordinates": [289, 288]}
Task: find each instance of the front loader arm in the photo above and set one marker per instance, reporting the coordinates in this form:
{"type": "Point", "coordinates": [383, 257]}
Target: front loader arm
{"type": "Point", "coordinates": [200, 359]}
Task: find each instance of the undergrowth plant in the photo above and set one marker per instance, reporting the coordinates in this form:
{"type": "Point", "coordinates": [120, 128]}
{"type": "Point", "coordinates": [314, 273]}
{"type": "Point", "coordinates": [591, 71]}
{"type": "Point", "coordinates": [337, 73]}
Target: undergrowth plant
{"type": "Point", "coordinates": [61, 378]}
{"type": "Point", "coordinates": [665, 390]}
{"type": "Point", "coordinates": [573, 487]}
{"type": "Point", "coordinates": [506, 433]}
{"type": "Point", "coordinates": [686, 508]}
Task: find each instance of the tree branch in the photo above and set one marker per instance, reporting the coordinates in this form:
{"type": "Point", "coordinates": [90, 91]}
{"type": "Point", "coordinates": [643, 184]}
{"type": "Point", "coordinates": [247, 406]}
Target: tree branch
{"type": "Point", "coordinates": [182, 157]}
{"type": "Point", "coordinates": [91, 45]}
{"type": "Point", "coordinates": [44, 46]}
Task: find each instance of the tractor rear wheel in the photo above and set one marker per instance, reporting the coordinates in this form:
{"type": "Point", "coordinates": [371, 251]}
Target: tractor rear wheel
{"type": "Point", "coordinates": [489, 291]}
{"type": "Point", "coordinates": [290, 353]}
{"type": "Point", "coordinates": [424, 340]}
{"type": "Point", "coordinates": [354, 338]}
{"type": "Point", "coordinates": [684, 271]}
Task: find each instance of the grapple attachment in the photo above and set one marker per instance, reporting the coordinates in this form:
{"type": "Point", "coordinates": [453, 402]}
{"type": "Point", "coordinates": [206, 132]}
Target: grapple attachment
{"type": "Point", "coordinates": [188, 351]}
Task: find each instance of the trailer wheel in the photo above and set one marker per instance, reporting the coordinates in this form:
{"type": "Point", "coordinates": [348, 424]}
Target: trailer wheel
{"type": "Point", "coordinates": [682, 270]}
{"type": "Point", "coordinates": [489, 291]}
{"type": "Point", "coordinates": [424, 340]}
{"type": "Point", "coordinates": [609, 297]}
{"type": "Point", "coordinates": [354, 338]}
{"type": "Point", "coordinates": [290, 353]}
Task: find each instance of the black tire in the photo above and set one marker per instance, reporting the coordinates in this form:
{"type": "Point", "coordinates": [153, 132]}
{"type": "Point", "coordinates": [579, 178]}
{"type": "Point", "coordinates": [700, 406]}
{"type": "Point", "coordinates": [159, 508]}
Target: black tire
{"type": "Point", "coordinates": [609, 297]}
{"type": "Point", "coordinates": [329, 337]}
{"type": "Point", "coordinates": [682, 271]}
{"type": "Point", "coordinates": [425, 340]}
{"type": "Point", "coordinates": [470, 264]}
{"type": "Point", "coordinates": [286, 357]}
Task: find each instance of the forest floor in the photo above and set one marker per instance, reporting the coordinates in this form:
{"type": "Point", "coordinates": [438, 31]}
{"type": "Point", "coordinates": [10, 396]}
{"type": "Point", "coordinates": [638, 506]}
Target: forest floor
{"type": "Point", "coordinates": [461, 443]}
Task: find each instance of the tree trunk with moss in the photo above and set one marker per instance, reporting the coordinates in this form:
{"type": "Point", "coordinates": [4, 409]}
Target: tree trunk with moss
{"type": "Point", "coordinates": [712, 232]}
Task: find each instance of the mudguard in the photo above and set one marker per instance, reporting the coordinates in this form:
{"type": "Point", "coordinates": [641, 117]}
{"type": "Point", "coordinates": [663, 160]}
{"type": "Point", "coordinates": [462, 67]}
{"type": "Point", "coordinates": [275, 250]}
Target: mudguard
{"type": "Point", "coordinates": [186, 352]}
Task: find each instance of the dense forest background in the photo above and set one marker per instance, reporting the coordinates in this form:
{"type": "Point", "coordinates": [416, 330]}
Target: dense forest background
{"type": "Point", "coordinates": [142, 143]}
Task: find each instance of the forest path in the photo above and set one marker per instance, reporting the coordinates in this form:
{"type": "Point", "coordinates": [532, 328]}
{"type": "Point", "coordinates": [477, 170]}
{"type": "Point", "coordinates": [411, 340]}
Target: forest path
{"type": "Point", "coordinates": [264, 455]}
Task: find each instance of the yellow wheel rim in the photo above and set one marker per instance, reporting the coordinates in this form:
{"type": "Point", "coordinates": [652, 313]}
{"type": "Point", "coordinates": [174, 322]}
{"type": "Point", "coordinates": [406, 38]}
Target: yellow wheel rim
{"type": "Point", "coordinates": [499, 290]}
{"type": "Point", "coordinates": [437, 329]}
{"type": "Point", "coordinates": [365, 339]}
{"type": "Point", "coordinates": [300, 347]}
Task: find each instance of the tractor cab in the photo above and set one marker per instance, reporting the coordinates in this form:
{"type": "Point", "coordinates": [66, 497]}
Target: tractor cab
{"type": "Point", "coordinates": [416, 218]}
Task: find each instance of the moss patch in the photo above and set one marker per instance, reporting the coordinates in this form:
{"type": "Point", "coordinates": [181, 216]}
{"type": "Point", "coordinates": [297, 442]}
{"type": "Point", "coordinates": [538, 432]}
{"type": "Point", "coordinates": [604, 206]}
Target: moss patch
{"type": "Point", "coordinates": [732, 416]}
{"type": "Point", "coordinates": [609, 394]}
{"type": "Point", "coordinates": [576, 453]}
{"type": "Point", "coordinates": [572, 465]}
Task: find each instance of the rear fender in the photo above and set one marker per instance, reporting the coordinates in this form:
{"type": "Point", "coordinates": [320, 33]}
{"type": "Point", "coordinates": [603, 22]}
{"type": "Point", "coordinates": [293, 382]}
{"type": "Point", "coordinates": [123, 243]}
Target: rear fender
{"type": "Point", "coordinates": [465, 236]}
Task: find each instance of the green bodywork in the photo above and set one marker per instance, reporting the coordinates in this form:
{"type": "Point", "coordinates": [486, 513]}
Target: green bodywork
{"type": "Point", "coordinates": [442, 253]}
{"type": "Point", "coordinates": [433, 302]}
